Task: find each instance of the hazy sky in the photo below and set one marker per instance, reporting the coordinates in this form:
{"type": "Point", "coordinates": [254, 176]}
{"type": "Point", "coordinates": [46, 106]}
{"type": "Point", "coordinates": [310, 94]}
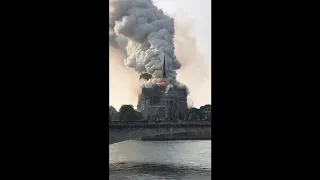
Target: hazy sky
{"type": "Point", "coordinates": [193, 49]}
{"type": "Point", "coordinates": [199, 12]}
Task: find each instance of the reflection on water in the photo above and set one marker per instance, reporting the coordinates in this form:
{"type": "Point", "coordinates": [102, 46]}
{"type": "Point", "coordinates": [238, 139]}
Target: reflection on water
{"type": "Point", "coordinates": [160, 160]}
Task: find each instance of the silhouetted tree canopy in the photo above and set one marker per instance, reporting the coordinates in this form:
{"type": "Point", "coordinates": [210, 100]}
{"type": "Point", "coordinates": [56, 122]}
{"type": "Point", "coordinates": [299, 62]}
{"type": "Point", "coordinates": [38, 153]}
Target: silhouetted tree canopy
{"type": "Point", "coordinates": [202, 108]}
{"type": "Point", "coordinates": [124, 109]}
{"type": "Point", "coordinates": [193, 117]}
{"type": "Point", "coordinates": [127, 113]}
{"type": "Point", "coordinates": [112, 113]}
{"type": "Point", "coordinates": [193, 111]}
{"type": "Point", "coordinates": [205, 106]}
{"type": "Point", "coordinates": [129, 116]}
{"type": "Point", "coordinates": [138, 115]}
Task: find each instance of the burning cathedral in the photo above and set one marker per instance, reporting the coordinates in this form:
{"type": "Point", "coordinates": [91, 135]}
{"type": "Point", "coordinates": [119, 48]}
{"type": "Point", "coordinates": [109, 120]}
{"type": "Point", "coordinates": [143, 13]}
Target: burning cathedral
{"type": "Point", "coordinates": [142, 32]}
{"type": "Point", "coordinates": [164, 100]}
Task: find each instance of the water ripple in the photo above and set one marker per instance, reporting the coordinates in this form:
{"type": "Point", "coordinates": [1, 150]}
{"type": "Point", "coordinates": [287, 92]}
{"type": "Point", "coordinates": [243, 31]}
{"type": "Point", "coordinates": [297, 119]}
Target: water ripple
{"type": "Point", "coordinates": [138, 160]}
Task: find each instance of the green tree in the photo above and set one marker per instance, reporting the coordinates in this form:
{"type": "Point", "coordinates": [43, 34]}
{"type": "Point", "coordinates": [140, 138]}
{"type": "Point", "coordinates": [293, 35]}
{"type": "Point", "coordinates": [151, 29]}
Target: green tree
{"type": "Point", "coordinates": [193, 117]}
{"type": "Point", "coordinates": [124, 109]}
{"type": "Point", "coordinates": [129, 116]}
{"type": "Point", "coordinates": [138, 115]}
{"type": "Point", "coordinates": [204, 108]}
{"type": "Point", "coordinates": [132, 115]}
{"type": "Point", "coordinates": [195, 111]}
{"type": "Point", "coordinates": [112, 113]}
{"type": "Point", "coordinates": [127, 113]}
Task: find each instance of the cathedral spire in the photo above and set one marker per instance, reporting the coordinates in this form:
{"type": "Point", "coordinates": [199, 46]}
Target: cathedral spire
{"type": "Point", "coordinates": [164, 74]}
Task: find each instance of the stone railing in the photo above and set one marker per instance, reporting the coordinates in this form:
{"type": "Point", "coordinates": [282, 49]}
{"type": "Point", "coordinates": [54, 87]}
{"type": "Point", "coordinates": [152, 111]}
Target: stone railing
{"type": "Point", "coordinates": [128, 126]}
{"type": "Point", "coordinates": [148, 122]}
{"type": "Point", "coordinates": [142, 123]}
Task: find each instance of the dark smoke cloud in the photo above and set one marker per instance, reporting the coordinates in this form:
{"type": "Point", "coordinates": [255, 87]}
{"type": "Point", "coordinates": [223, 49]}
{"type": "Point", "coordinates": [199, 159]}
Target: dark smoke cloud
{"type": "Point", "coordinates": [144, 34]}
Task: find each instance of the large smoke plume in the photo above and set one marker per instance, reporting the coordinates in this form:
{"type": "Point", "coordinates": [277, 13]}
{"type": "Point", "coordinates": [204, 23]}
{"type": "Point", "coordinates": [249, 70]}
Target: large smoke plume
{"type": "Point", "coordinates": [144, 35]}
{"type": "Point", "coordinates": [199, 81]}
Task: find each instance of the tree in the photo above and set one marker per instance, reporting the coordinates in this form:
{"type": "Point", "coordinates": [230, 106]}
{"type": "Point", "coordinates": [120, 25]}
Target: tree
{"type": "Point", "coordinates": [124, 109]}
{"type": "Point", "coordinates": [129, 114]}
{"type": "Point", "coordinates": [138, 115]}
{"type": "Point", "coordinates": [112, 113]}
{"type": "Point", "coordinates": [193, 117]}
{"type": "Point", "coordinates": [195, 111]}
{"type": "Point", "coordinates": [206, 115]}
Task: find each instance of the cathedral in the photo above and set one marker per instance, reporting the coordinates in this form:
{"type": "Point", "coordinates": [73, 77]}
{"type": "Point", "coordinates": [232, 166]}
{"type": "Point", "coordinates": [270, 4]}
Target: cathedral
{"type": "Point", "coordinates": [163, 101]}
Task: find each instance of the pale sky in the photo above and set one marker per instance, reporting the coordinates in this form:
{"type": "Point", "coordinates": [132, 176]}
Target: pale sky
{"type": "Point", "coordinates": [193, 49]}
{"type": "Point", "coordinates": [198, 11]}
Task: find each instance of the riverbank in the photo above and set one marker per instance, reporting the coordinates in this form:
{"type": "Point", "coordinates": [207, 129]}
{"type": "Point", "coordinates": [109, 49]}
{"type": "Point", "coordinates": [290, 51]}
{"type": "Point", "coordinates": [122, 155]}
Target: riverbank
{"type": "Point", "coordinates": [182, 136]}
{"type": "Point", "coordinates": [172, 139]}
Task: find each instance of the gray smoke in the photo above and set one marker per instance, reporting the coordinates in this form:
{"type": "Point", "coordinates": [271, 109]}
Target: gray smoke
{"type": "Point", "coordinates": [144, 34]}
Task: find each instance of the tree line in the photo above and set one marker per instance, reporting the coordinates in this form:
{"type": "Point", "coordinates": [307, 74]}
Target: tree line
{"type": "Point", "coordinates": [194, 114]}
{"type": "Point", "coordinates": [128, 113]}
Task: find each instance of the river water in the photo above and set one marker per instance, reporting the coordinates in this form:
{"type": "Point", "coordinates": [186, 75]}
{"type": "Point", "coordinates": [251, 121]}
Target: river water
{"type": "Point", "coordinates": [159, 160]}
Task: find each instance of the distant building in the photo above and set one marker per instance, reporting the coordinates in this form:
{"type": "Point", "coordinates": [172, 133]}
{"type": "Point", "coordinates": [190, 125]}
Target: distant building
{"type": "Point", "coordinates": [205, 112]}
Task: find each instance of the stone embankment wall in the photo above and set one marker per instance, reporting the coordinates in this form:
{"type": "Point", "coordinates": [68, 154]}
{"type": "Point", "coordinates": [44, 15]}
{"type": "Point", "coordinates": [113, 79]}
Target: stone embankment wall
{"type": "Point", "coordinates": [181, 136]}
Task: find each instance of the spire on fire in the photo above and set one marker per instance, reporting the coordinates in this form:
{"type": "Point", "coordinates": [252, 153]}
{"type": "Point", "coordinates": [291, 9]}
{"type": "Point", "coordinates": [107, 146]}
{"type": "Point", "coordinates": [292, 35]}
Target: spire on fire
{"type": "Point", "coordinates": [164, 74]}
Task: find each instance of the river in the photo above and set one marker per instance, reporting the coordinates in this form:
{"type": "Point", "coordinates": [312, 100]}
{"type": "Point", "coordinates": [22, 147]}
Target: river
{"type": "Point", "coordinates": [159, 160]}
